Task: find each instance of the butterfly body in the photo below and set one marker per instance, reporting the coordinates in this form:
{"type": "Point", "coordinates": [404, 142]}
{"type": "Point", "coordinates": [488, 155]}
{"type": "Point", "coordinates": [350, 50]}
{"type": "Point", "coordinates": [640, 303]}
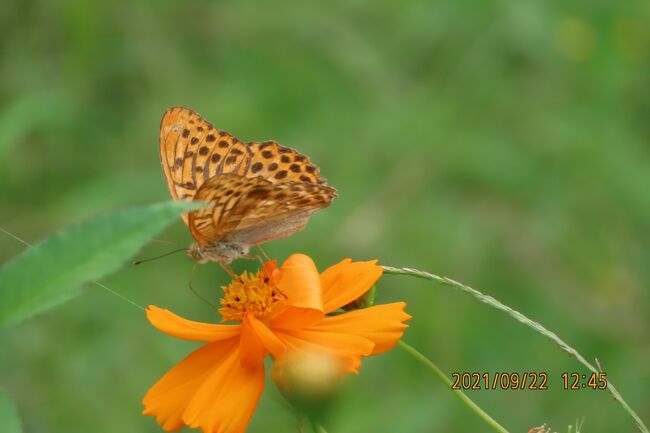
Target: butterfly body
{"type": "Point", "coordinates": [257, 192]}
{"type": "Point", "coordinates": [221, 252]}
{"type": "Point", "coordinates": [226, 251]}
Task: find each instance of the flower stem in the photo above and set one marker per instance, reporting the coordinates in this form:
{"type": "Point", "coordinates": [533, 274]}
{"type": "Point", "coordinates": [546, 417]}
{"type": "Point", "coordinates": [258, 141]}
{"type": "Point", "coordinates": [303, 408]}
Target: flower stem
{"type": "Point", "coordinates": [526, 321]}
{"type": "Point", "coordinates": [460, 394]}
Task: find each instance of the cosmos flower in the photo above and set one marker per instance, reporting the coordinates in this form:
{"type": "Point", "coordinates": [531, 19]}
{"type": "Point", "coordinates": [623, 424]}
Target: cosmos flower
{"type": "Point", "coordinates": [279, 311]}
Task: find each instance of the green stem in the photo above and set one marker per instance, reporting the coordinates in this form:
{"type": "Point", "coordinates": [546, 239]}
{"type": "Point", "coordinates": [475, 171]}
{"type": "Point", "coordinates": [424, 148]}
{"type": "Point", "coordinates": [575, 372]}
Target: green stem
{"type": "Point", "coordinates": [526, 321]}
{"type": "Point", "coordinates": [460, 394]}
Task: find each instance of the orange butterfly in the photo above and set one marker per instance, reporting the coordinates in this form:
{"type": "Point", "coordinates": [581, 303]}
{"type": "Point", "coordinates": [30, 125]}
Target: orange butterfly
{"type": "Point", "coordinates": [258, 191]}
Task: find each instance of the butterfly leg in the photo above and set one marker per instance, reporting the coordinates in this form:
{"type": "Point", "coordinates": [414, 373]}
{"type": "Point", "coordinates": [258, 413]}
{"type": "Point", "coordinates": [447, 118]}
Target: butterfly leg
{"type": "Point", "coordinates": [266, 256]}
{"type": "Point", "coordinates": [229, 270]}
{"type": "Point", "coordinates": [253, 256]}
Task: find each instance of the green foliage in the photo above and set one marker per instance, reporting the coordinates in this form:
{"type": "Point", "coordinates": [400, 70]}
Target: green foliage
{"type": "Point", "coordinates": [52, 271]}
{"type": "Point", "coordinates": [9, 419]}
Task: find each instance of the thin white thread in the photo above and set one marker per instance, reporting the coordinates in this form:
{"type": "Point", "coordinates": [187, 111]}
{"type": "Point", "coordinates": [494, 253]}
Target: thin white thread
{"type": "Point", "coordinates": [119, 295]}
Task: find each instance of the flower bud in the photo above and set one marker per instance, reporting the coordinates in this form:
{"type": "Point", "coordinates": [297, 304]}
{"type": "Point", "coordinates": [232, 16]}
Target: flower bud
{"type": "Point", "coordinates": [364, 301]}
{"type": "Point", "coordinates": [309, 380]}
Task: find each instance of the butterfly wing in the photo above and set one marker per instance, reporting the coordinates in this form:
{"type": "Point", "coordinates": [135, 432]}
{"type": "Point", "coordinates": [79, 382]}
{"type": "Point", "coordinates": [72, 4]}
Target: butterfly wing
{"type": "Point", "coordinates": [254, 210]}
{"type": "Point", "coordinates": [231, 196]}
{"type": "Point", "coordinates": [192, 151]}
{"type": "Point", "coordinates": [285, 212]}
{"type": "Point", "coordinates": [259, 191]}
{"type": "Point", "coordinates": [278, 164]}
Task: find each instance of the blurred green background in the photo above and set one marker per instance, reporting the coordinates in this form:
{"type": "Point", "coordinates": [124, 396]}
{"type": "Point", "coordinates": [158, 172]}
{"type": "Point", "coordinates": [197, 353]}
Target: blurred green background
{"type": "Point", "coordinates": [504, 144]}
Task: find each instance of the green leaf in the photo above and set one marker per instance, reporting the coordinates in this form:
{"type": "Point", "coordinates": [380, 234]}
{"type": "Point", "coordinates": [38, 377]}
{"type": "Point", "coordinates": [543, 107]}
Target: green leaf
{"type": "Point", "coordinates": [52, 271]}
{"type": "Point", "coordinates": [9, 419]}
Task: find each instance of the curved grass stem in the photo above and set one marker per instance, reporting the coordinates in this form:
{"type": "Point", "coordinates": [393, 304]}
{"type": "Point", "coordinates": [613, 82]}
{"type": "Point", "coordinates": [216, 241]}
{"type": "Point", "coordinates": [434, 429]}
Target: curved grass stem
{"type": "Point", "coordinates": [460, 394]}
{"type": "Point", "coordinates": [526, 321]}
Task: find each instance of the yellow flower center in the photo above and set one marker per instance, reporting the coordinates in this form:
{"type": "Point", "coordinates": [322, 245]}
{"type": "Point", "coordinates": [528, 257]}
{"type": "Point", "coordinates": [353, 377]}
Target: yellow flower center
{"type": "Point", "coordinates": [257, 294]}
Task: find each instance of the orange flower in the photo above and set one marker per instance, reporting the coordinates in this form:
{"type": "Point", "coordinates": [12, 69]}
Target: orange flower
{"type": "Point", "coordinates": [217, 387]}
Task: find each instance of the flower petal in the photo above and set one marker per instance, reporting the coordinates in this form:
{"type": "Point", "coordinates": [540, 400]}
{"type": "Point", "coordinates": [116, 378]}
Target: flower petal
{"type": "Point", "coordinates": [227, 398]}
{"type": "Point", "coordinates": [300, 282]}
{"type": "Point", "coordinates": [168, 398]}
{"type": "Point", "coordinates": [341, 344]}
{"type": "Point", "coordinates": [178, 327]}
{"type": "Point", "coordinates": [252, 349]}
{"type": "Point", "coordinates": [346, 281]}
{"type": "Point", "coordinates": [382, 324]}
{"type": "Point", "coordinates": [267, 338]}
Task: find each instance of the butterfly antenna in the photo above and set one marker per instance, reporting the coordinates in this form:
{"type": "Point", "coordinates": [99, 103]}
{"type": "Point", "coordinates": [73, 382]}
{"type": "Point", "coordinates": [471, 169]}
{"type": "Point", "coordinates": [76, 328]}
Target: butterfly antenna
{"type": "Point", "coordinates": [163, 241]}
{"type": "Point", "coordinates": [197, 294]}
{"type": "Point", "coordinates": [138, 262]}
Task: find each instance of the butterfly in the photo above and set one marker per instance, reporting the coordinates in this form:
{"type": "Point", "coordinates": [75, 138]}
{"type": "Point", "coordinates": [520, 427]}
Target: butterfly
{"type": "Point", "coordinates": [257, 191]}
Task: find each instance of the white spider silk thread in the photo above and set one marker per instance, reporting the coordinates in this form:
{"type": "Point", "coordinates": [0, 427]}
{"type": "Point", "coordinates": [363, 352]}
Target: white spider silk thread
{"type": "Point", "coordinates": [119, 295]}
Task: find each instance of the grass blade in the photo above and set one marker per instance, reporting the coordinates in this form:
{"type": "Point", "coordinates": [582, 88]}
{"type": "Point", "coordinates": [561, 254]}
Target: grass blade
{"type": "Point", "coordinates": [537, 327]}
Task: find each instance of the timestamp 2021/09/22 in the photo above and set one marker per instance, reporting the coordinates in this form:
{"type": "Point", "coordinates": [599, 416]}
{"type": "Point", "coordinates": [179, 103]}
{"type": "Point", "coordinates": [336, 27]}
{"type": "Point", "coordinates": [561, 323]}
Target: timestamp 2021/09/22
{"type": "Point", "coordinates": [534, 381]}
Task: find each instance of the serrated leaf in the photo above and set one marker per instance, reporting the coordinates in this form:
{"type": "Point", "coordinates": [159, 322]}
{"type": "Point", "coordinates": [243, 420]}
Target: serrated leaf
{"type": "Point", "coordinates": [9, 419]}
{"type": "Point", "coordinates": [52, 271]}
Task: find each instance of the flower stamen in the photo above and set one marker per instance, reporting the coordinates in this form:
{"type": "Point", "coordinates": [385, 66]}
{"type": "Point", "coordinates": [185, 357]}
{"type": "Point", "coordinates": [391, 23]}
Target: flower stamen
{"type": "Point", "coordinates": [256, 294]}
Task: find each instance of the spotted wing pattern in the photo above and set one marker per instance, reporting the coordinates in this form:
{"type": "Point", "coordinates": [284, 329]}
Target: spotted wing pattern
{"type": "Point", "coordinates": [192, 151]}
{"type": "Point", "coordinates": [253, 210]}
{"type": "Point", "coordinates": [259, 191]}
{"type": "Point", "coordinates": [277, 163]}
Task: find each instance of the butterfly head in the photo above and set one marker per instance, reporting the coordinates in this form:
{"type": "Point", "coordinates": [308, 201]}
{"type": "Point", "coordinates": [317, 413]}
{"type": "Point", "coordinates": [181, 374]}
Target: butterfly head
{"type": "Point", "coordinates": [221, 252]}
